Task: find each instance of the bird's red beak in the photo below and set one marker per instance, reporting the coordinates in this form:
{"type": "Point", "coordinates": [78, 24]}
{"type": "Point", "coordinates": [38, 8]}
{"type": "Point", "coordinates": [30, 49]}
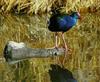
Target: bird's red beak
{"type": "Point", "coordinates": [79, 16]}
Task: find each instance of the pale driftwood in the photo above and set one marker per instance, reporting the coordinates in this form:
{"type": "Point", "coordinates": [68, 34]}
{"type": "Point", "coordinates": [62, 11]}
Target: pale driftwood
{"type": "Point", "coordinates": [17, 51]}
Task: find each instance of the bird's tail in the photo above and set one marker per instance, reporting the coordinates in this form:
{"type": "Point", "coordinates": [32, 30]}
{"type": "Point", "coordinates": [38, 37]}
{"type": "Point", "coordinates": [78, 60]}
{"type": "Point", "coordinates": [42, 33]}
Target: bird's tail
{"type": "Point", "coordinates": [55, 11]}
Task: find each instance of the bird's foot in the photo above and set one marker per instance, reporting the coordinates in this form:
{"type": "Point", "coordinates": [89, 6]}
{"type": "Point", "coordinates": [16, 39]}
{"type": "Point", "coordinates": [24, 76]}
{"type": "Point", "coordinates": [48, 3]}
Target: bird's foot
{"type": "Point", "coordinates": [66, 48]}
{"type": "Point", "coordinates": [65, 55]}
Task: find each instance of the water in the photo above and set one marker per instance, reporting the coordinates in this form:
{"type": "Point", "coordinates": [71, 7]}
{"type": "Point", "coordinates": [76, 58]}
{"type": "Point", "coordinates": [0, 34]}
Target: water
{"type": "Point", "coordinates": [83, 40]}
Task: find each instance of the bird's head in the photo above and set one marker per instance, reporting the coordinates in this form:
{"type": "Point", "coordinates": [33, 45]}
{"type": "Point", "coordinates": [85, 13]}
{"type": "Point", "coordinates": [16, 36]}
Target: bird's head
{"type": "Point", "coordinates": [76, 15]}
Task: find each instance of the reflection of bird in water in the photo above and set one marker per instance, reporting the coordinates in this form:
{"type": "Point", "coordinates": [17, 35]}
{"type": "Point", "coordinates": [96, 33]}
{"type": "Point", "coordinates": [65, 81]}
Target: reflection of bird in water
{"type": "Point", "coordinates": [58, 74]}
{"type": "Point", "coordinates": [62, 23]}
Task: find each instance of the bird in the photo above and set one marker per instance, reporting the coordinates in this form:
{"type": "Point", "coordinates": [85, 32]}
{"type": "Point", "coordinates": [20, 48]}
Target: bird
{"type": "Point", "coordinates": [61, 23]}
{"type": "Point", "coordinates": [60, 74]}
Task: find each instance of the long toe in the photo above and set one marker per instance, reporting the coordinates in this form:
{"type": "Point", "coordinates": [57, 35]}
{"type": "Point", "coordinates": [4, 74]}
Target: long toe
{"type": "Point", "coordinates": [66, 48]}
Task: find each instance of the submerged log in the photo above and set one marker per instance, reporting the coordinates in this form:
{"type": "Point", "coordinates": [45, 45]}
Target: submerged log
{"type": "Point", "coordinates": [17, 51]}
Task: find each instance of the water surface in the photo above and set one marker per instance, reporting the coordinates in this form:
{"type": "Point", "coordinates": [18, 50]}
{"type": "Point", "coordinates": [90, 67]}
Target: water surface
{"type": "Point", "coordinates": [83, 40]}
